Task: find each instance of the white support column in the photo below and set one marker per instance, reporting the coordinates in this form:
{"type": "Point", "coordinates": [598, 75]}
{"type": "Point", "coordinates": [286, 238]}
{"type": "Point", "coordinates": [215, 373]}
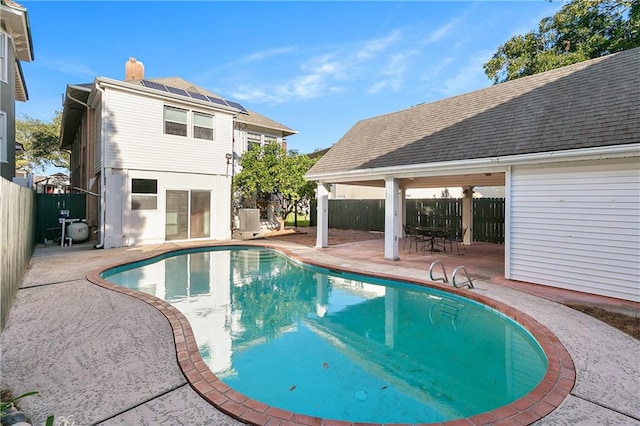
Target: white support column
{"type": "Point", "coordinates": [391, 219]}
{"type": "Point", "coordinates": [322, 229]}
{"type": "Point", "coordinates": [402, 212]}
{"type": "Point", "coordinates": [467, 213]}
{"type": "Point", "coordinates": [507, 223]}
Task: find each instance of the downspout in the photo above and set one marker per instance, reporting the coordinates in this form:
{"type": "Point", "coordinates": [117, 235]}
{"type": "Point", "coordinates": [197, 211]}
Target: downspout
{"type": "Point", "coordinates": [102, 176]}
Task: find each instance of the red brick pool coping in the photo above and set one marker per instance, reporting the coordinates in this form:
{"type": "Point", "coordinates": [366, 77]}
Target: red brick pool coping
{"type": "Point", "coordinates": [542, 400]}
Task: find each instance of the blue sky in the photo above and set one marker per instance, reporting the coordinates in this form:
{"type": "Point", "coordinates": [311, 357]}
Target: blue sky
{"type": "Point", "coordinates": [316, 67]}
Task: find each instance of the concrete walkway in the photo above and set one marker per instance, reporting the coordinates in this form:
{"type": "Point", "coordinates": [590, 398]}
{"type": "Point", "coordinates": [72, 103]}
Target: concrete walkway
{"type": "Point", "coordinates": [100, 357]}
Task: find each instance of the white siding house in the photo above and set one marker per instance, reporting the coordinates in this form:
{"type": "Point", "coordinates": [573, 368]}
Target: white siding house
{"type": "Point", "coordinates": [158, 155]}
{"type": "Point", "coordinates": [565, 144]}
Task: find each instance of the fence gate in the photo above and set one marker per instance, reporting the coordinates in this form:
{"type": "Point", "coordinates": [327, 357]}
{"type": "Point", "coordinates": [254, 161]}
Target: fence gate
{"type": "Point", "coordinates": [48, 208]}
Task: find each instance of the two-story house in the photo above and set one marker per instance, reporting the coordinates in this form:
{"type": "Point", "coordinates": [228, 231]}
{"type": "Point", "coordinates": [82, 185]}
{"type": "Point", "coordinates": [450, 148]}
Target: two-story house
{"type": "Point", "coordinates": [158, 156]}
{"type": "Point", "coordinates": [15, 46]}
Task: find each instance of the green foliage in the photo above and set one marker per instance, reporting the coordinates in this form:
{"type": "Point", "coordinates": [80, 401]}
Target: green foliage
{"type": "Point", "coordinates": [10, 402]}
{"type": "Point", "coordinates": [303, 220]}
{"type": "Point", "coordinates": [41, 144]}
{"type": "Point", "coordinates": [581, 30]}
{"type": "Point", "coordinates": [268, 171]}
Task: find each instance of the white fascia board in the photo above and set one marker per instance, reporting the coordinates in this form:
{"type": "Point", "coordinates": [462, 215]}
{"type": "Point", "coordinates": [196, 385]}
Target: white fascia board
{"type": "Point", "coordinates": [480, 165]}
{"type": "Point", "coordinates": [92, 99]}
{"type": "Point", "coordinates": [137, 89]}
{"type": "Point", "coordinates": [16, 23]}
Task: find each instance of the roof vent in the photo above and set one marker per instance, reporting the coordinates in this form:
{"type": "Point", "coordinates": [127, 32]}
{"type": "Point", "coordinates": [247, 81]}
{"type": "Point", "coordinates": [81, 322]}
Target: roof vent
{"type": "Point", "coordinates": [133, 70]}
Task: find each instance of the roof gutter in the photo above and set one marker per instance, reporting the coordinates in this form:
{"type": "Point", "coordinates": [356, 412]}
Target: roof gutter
{"type": "Point", "coordinates": [478, 165]}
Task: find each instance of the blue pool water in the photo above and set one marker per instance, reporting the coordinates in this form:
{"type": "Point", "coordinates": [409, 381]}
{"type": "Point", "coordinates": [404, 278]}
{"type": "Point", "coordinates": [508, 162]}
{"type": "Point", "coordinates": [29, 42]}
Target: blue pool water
{"type": "Point", "coordinates": [337, 345]}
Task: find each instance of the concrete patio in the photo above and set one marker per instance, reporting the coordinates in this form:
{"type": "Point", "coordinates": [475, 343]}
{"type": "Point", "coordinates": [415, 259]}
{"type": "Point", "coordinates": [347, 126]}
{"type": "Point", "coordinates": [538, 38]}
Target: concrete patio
{"type": "Point", "coordinates": [100, 357]}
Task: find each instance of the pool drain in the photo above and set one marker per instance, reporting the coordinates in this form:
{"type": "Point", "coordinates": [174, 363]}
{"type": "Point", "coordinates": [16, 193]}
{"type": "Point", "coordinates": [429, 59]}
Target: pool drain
{"type": "Point", "coordinates": [360, 395]}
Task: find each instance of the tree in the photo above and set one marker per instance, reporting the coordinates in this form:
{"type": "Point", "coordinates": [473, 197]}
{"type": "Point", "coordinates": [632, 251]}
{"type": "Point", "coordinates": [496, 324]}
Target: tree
{"type": "Point", "coordinates": [41, 144]}
{"type": "Point", "coordinates": [581, 30]}
{"type": "Point", "coordinates": [269, 173]}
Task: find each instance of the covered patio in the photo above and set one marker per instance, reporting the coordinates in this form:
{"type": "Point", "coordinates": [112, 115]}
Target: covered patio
{"type": "Point", "coordinates": [563, 144]}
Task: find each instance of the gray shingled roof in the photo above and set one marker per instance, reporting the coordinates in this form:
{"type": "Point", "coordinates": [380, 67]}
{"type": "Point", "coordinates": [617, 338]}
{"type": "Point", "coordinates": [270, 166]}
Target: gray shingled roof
{"type": "Point", "coordinates": [595, 103]}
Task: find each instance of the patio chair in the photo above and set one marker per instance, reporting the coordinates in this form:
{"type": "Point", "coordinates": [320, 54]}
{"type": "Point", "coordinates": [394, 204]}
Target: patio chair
{"type": "Point", "coordinates": [413, 237]}
{"type": "Point", "coordinates": [458, 240]}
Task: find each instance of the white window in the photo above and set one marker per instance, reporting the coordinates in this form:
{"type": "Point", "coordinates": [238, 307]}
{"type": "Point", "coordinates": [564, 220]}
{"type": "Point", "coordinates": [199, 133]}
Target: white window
{"type": "Point", "coordinates": [3, 57]}
{"type": "Point", "coordinates": [144, 194]}
{"type": "Point", "coordinates": [175, 121]}
{"type": "Point", "coordinates": [254, 140]}
{"type": "Point", "coordinates": [3, 137]}
{"type": "Point", "coordinates": [202, 126]}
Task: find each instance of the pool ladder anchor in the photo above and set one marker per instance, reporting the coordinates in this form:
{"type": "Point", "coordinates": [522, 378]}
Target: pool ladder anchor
{"type": "Point", "coordinates": [444, 277]}
{"type": "Point", "coordinates": [467, 283]}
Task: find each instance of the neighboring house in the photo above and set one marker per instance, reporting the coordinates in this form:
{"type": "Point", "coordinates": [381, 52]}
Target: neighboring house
{"type": "Point", "coordinates": [57, 183]}
{"type": "Point", "coordinates": [565, 144]}
{"type": "Point", "coordinates": [158, 156]}
{"type": "Point", "coordinates": [15, 46]}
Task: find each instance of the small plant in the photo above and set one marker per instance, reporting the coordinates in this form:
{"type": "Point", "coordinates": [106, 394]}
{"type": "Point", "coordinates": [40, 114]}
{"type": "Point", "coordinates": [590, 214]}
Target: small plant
{"type": "Point", "coordinates": [7, 403]}
{"type": "Point", "coordinates": [10, 402]}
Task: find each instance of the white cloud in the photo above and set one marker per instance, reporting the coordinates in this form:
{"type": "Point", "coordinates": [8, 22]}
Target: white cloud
{"type": "Point", "coordinates": [322, 74]}
{"type": "Point", "coordinates": [443, 31]}
{"type": "Point", "coordinates": [329, 64]}
{"type": "Point", "coordinates": [372, 47]}
{"type": "Point", "coordinates": [395, 71]}
{"type": "Point", "coordinates": [436, 69]}
{"type": "Point", "coordinates": [68, 66]}
{"type": "Point", "coordinates": [303, 87]}
{"type": "Point", "coordinates": [378, 87]}
{"type": "Point", "coordinates": [259, 56]}
{"type": "Point", "coordinates": [470, 76]}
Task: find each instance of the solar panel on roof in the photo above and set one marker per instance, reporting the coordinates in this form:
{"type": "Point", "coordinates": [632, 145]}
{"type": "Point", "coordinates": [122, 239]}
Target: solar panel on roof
{"type": "Point", "coordinates": [217, 100]}
{"type": "Point", "coordinates": [198, 96]}
{"type": "Point", "coordinates": [237, 105]}
{"type": "Point", "coordinates": [194, 95]}
{"type": "Point", "coordinates": [154, 85]}
{"type": "Point", "coordinates": [177, 91]}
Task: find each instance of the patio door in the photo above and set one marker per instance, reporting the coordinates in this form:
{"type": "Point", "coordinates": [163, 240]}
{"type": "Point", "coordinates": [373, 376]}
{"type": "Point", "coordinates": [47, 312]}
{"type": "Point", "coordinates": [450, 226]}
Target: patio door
{"type": "Point", "coordinates": [188, 215]}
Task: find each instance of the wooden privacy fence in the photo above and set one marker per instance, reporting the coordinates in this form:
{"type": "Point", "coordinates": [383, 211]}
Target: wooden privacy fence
{"type": "Point", "coordinates": [365, 215]}
{"type": "Point", "coordinates": [17, 219]}
{"type": "Point", "coordinates": [488, 220]}
{"type": "Point", "coordinates": [368, 215]}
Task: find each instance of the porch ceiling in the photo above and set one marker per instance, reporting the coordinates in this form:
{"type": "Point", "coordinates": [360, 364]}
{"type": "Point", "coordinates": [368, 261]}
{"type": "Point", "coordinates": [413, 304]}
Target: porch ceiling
{"type": "Point", "coordinates": [473, 179]}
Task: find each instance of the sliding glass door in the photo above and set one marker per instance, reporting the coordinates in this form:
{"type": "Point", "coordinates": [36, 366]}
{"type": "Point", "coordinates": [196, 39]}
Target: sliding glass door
{"type": "Point", "coordinates": [188, 215]}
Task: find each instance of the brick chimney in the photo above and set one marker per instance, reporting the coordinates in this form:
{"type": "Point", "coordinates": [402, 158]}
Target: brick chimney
{"type": "Point", "coordinates": [133, 70]}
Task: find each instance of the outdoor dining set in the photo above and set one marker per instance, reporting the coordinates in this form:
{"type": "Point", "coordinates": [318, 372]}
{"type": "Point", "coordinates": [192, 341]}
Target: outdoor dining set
{"type": "Point", "coordinates": [434, 239]}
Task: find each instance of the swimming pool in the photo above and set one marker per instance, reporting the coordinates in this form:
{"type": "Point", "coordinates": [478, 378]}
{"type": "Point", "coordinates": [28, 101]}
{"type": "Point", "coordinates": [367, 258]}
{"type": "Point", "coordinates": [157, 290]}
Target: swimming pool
{"type": "Point", "coordinates": [341, 346]}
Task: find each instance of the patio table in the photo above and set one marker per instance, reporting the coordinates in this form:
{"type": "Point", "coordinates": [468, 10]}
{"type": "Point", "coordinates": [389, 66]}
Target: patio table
{"type": "Point", "coordinates": [432, 233]}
